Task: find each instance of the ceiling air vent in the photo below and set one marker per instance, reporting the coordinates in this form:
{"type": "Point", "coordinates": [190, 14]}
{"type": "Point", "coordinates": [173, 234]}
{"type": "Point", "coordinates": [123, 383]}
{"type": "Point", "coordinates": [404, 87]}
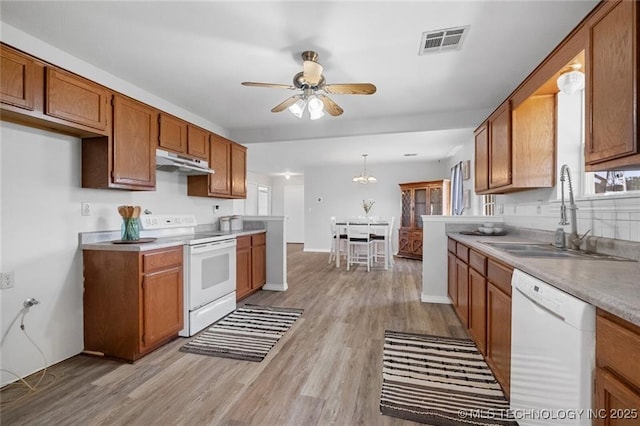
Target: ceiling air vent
{"type": "Point", "coordinates": [442, 40]}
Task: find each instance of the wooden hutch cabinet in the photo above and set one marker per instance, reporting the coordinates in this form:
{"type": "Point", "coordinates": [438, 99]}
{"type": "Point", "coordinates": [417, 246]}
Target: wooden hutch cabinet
{"type": "Point", "coordinates": [420, 198]}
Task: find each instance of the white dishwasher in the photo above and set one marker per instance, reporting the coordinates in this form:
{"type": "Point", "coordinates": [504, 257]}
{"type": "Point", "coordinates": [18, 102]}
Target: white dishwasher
{"type": "Point", "coordinates": [552, 354]}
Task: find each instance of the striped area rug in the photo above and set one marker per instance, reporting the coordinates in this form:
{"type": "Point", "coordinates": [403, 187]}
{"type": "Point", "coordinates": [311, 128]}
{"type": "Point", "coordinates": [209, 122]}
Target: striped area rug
{"type": "Point", "coordinates": [248, 333]}
{"type": "Point", "coordinates": [439, 381]}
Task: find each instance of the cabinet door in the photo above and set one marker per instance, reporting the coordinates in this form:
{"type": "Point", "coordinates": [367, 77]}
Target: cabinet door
{"type": "Point", "coordinates": [482, 159]}
{"type": "Point", "coordinates": [462, 283]}
{"type": "Point", "coordinates": [162, 307]}
{"type": "Point", "coordinates": [404, 245]}
{"type": "Point", "coordinates": [499, 334]}
{"type": "Point", "coordinates": [243, 266]}
{"type": "Point", "coordinates": [16, 78]}
{"type": "Point", "coordinates": [452, 281]}
{"type": "Point", "coordinates": [407, 207]}
{"type": "Point", "coordinates": [436, 199]}
{"type": "Point", "coordinates": [478, 309]}
{"type": "Point", "coordinates": [500, 147]}
{"type": "Point", "coordinates": [415, 240]}
{"type": "Point", "coordinates": [173, 134]}
{"type": "Point", "coordinates": [420, 202]}
{"type": "Point", "coordinates": [198, 142]}
{"type": "Point", "coordinates": [258, 266]}
{"type": "Point", "coordinates": [220, 161]}
{"type": "Point", "coordinates": [619, 404]}
{"type": "Point", "coordinates": [611, 90]}
{"type": "Point", "coordinates": [243, 272]}
{"type": "Point", "coordinates": [76, 99]}
{"type": "Point", "coordinates": [135, 132]}
{"type": "Point", "coordinates": [238, 171]}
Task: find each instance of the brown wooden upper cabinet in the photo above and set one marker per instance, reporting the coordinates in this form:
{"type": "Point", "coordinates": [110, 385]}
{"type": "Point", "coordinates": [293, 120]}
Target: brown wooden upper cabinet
{"type": "Point", "coordinates": [229, 161]}
{"type": "Point", "coordinates": [17, 79]}
{"type": "Point", "coordinates": [500, 146]}
{"type": "Point", "coordinates": [178, 136]}
{"type": "Point", "coordinates": [76, 99]}
{"type": "Point", "coordinates": [197, 142]}
{"type": "Point", "coordinates": [612, 87]}
{"type": "Point", "coordinates": [516, 146]}
{"type": "Point", "coordinates": [172, 134]}
{"type": "Point", "coordinates": [127, 160]}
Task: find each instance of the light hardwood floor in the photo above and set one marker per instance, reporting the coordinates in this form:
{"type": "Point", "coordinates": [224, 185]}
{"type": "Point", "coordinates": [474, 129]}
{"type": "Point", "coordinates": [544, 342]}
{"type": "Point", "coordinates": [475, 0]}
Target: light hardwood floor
{"type": "Point", "coordinates": [325, 371]}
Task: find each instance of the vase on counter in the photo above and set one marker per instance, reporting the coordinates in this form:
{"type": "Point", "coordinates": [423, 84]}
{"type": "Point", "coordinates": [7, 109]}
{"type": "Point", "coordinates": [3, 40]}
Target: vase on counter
{"type": "Point", "coordinates": [130, 229]}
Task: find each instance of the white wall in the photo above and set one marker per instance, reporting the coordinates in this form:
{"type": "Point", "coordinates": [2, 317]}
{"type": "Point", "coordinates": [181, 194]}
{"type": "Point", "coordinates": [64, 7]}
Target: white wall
{"type": "Point", "coordinates": [342, 198]}
{"type": "Point", "coordinates": [277, 192]}
{"type": "Point", "coordinates": [40, 194]}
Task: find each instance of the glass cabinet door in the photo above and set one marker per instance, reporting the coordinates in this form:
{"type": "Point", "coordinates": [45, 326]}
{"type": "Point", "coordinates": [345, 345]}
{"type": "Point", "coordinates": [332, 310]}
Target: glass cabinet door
{"type": "Point", "coordinates": [420, 208]}
{"type": "Point", "coordinates": [405, 219]}
{"type": "Point", "coordinates": [435, 200]}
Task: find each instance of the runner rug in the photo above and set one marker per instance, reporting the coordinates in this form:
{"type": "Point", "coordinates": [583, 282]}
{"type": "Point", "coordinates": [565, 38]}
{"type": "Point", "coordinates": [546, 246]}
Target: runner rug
{"type": "Point", "coordinates": [248, 333]}
{"type": "Point", "coordinates": [439, 381]}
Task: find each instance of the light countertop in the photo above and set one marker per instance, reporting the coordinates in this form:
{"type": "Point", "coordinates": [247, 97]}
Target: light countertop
{"type": "Point", "coordinates": [159, 243]}
{"type": "Point", "coordinates": [613, 286]}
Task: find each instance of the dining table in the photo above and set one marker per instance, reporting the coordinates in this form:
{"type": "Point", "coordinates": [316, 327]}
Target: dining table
{"type": "Point", "coordinates": [381, 226]}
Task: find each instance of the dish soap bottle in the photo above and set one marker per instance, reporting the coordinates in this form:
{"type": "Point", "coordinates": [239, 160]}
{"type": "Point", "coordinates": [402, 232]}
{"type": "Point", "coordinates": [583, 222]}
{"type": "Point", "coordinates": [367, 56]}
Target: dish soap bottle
{"type": "Point", "coordinates": [559, 238]}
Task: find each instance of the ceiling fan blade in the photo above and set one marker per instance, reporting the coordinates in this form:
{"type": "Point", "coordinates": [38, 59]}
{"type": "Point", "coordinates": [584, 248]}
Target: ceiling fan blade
{"type": "Point", "coordinates": [350, 89]}
{"type": "Point", "coordinates": [285, 104]}
{"type": "Point", "coordinates": [312, 72]}
{"type": "Point", "coordinates": [330, 106]}
{"type": "Point", "coordinates": [270, 85]}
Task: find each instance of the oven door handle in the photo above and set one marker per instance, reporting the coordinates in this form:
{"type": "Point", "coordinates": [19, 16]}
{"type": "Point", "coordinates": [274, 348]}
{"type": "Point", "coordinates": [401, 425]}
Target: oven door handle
{"type": "Point", "coordinates": [216, 245]}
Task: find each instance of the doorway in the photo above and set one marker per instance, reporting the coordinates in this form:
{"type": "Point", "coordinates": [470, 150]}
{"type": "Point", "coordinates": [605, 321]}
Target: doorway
{"type": "Point", "coordinates": [294, 213]}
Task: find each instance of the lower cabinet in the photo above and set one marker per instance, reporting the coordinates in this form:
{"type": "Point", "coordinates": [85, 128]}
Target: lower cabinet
{"type": "Point", "coordinates": [251, 261]}
{"type": "Point", "coordinates": [133, 301]}
{"type": "Point", "coordinates": [617, 381]}
{"type": "Point", "coordinates": [410, 243]}
{"type": "Point", "coordinates": [480, 291]}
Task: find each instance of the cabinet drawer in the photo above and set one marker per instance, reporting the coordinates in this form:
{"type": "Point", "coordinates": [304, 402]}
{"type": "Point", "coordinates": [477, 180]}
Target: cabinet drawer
{"type": "Point", "coordinates": [462, 252]}
{"type": "Point", "coordinates": [618, 347]}
{"type": "Point", "coordinates": [499, 275]}
{"type": "Point", "coordinates": [478, 262]}
{"type": "Point", "coordinates": [259, 239]}
{"type": "Point", "coordinates": [243, 242]}
{"type": "Point", "coordinates": [161, 259]}
{"type": "Point", "coordinates": [451, 245]}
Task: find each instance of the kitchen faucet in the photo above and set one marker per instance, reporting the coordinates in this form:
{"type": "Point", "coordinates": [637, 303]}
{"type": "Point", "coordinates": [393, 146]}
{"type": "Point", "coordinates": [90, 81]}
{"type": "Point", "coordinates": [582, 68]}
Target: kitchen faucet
{"type": "Point", "coordinates": [574, 238]}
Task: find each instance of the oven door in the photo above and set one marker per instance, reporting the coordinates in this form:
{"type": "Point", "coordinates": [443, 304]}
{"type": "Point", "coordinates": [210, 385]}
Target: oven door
{"type": "Point", "coordinates": [211, 273]}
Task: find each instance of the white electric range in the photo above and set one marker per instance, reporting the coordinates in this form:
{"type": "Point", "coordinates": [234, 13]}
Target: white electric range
{"type": "Point", "coordinates": [209, 264]}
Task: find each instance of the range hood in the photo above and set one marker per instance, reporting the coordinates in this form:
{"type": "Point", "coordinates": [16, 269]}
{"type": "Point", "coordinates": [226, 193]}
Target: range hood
{"type": "Point", "coordinates": [171, 162]}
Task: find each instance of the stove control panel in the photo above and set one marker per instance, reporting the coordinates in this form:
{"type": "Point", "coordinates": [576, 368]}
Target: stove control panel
{"type": "Point", "coordinates": [157, 221]}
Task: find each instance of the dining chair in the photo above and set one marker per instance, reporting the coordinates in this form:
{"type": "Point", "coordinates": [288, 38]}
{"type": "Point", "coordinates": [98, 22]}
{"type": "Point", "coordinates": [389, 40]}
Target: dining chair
{"type": "Point", "coordinates": [359, 244]}
{"type": "Point", "coordinates": [338, 242]}
{"type": "Point", "coordinates": [382, 237]}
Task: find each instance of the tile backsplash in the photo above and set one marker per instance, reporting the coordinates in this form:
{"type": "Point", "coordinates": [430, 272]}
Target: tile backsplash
{"type": "Point", "coordinates": [617, 218]}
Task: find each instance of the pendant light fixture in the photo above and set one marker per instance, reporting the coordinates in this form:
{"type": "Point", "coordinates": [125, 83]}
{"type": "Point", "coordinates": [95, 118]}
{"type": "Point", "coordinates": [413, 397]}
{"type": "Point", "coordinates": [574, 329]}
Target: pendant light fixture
{"type": "Point", "coordinates": [363, 177]}
{"type": "Point", "coordinates": [572, 80]}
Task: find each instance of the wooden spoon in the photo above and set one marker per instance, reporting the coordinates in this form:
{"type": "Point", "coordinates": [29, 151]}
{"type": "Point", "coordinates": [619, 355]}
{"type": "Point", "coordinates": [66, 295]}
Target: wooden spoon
{"type": "Point", "coordinates": [136, 212]}
{"type": "Point", "coordinates": [123, 211]}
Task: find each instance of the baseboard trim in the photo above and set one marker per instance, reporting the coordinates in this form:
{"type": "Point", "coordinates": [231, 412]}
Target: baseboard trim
{"type": "Point", "coordinates": [426, 298]}
{"type": "Point", "coordinates": [312, 250]}
{"type": "Point", "coordinates": [275, 287]}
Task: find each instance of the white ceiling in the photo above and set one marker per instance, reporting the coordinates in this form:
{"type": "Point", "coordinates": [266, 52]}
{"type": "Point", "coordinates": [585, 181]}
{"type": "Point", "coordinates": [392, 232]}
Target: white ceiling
{"type": "Point", "coordinates": [195, 54]}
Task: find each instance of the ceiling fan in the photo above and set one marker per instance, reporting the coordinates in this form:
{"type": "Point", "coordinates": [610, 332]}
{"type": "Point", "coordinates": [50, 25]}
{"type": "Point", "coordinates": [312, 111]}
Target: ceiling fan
{"type": "Point", "coordinates": [314, 90]}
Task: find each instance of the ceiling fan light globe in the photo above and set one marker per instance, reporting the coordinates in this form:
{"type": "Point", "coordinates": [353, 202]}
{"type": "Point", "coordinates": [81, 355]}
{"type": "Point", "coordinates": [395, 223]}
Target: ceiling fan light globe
{"type": "Point", "coordinates": [571, 82]}
{"type": "Point", "coordinates": [297, 109]}
{"type": "Point", "coordinates": [315, 104]}
{"type": "Point", "coordinates": [314, 115]}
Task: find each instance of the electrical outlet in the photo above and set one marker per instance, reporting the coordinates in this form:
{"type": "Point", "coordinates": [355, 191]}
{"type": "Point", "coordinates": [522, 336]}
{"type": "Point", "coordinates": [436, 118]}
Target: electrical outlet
{"type": "Point", "coordinates": [7, 280]}
{"type": "Point", "coordinates": [85, 209]}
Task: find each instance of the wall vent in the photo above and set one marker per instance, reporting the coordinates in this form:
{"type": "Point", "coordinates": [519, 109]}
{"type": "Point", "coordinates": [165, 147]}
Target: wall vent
{"type": "Point", "coordinates": [442, 40]}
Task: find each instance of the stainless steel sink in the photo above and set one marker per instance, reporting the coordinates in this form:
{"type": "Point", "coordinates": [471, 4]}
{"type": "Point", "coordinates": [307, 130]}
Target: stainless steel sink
{"type": "Point", "coordinates": [550, 251]}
